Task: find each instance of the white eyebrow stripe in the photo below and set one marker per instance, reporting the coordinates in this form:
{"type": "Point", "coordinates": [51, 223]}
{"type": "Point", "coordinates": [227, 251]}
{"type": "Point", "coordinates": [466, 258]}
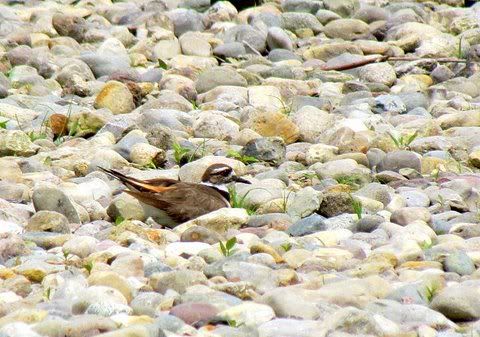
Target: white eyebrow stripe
{"type": "Point", "coordinates": [220, 170]}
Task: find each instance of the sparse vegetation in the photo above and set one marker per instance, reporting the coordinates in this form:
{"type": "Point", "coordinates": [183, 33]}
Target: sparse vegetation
{"type": "Point", "coordinates": [430, 291]}
{"type": "Point", "coordinates": [162, 64]}
{"type": "Point", "coordinates": [425, 245]}
{"type": "Point", "coordinates": [183, 155]}
{"type": "Point", "coordinates": [403, 142]}
{"type": "Point", "coordinates": [150, 165]}
{"type": "Point", "coordinates": [180, 154]}
{"type": "Point", "coordinates": [357, 207]}
{"type": "Point", "coordinates": [286, 109]}
{"type": "Point", "coordinates": [119, 219]}
{"type": "Point", "coordinates": [33, 135]}
{"type": "Point", "coordinates": [309, 176]}
{"type": "Point", "coordinates": [286, 246]}
{"type": "Point", "coordinates": [354, 181]}
{"type": "Point", "coordinates": [284, 201]}
{"type": "Point", "coordinates": [243, 158]}
{"type": "Point", "coordinates": [234, 324]}
{"type": "Point", "coordinates": [460, 51]}
{"type": "Point", "coordinates": [89, 266]}
{"type": "Point", "coordinates": [47, 294]}
{"type": "Point", "coordinates": [228, 249]}
{"type": "Point", "coordinates": [195, 105]}
{"type": "Point", "coordinates": [237, 201]}
{"type": "Point", "coordinates": [3, 124]}
{"type": "Point", "coordinates": [47, 161]}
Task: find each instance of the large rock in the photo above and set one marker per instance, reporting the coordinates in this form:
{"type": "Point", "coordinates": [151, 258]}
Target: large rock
{"type": "Point", "coordinates": [271, 150]}
{"type": "Point", "coordinates": [347, 29]}
{"type": "Point", "coordinates": [213, 125]}
{"type": "Point", "coordinates": [17, 143]}
{"type": "Point", "coordinates": [53, 199]}
{"type": "Point", "coordinates": [116, 97]}
{"type": "Point", "coordinates": [215, 77]}
{"type": "Point", "coordinates": [48, 221]}
{"type": "Point", "coordinates": [176, 280]}
{"type": "Point", "coordinates": [459, 302]}
{"type": "Point", "coordinates": [344, 8]}
{"type": "Point", "coordinates": [312, 123]}
{"type": "Point", "coordinates": [396, 160]}
{"type": "Point", "coordinates": [219, 221]}
{"type": "Point", "coordinates": [70, 25]}
{"type": "Point", "coordinates": [379, 73]}
{"type": "Point", "coordinates": [273, 124]}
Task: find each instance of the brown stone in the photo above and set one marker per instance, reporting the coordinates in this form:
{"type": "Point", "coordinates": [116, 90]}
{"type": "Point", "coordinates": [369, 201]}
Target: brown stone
{"type": "Point", "coordinates": [271, 124]}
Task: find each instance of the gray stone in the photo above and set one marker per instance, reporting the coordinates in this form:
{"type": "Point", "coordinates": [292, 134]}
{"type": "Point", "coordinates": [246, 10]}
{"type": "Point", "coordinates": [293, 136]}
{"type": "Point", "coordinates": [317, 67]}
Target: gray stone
{"type": "Point", "coordinates": [459, 302]}
{"type": "Point", "coordinates": [124, 145]}
{"type": "Point", "coordinates": [200, 234]}
{"type": "Point", "coordinates": [325, 16]}
{"type": "Point", "coordinates": [407, 215]}
{"type": "Point", "coordinates": [414, 100]}
{"type": "Point", "coordinates": [287, 304]}
{"type": "Point", "coordinates": [294, 21]}
{"type": "Point", "coordinates": [460, 263]}
{"type": "Point", "coordinates": [146, 303]}
{"type": "Point", "coordinates": [215, 77]}
{"type": "Point", "coordinates": [178, 280]}
{"type": "Point", "coordinates": [70, 25]}
{"type": "Point", "coordinates": [409, 293]}
{"type": "Point", "coordinates": [369, 13]}
{"type": "Point", "coordinates": [249, 36]}
{"type": "Point", "coordinates": [381, 72]}
{"type": "Point", "coordinates": [218, 299]}
{"type": "Point", "coordinates": [396, 160]}
{"type": "Point", "coordinates": [271, 150]}
{"type": "Point", "coordinates": [369, 223]}
{"type": "Point", "coordinates": [108, 309]}
{"type": "Point", "coordinates": [365, 323]}
{"type": "Point", "coordinates": [278, 38]}
{"type": "Point", "coordinates": [389, 103]}
{"type": "Point", "coordinates": [156, 267]}
{"type": "Point", "coordinates": [409, 315]}
{"type": "Point", "coordinates": [48, 221]}
{"type": "Point", "coordinates": [273, 220]}
{"type": "Point", "coordinates": [311, 224]}
{"type": "Point", "coordinates": [415, 198]}
{"type": "Point", "coordinates": [52, 199]}
{"type": "Point", "coordinates": [277, 55]}
{"type": "Point", "coordinates": [104, 65]}
{"type": "Point", "coordinates": [307, 6]}
{"type": "Point", "coordinates": [231, 49]}
{"type": "Point", "coordinates": [347, 29]}
{"type": "Point", "coordinates": [345, 8]}
{"type": "Point", "coordinates": [185, 20]}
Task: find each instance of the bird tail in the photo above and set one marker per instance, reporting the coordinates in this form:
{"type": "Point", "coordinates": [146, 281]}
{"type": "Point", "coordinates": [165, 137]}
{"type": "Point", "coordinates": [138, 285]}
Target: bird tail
{"type": "Point", "coordinates": [136, 185]}
{"type": "Point", "coordinates": [130, 182]}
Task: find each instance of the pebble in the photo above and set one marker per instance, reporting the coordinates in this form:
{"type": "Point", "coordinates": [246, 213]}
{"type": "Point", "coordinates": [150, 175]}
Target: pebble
{"type": "Point", "coordinates": [361, 216]}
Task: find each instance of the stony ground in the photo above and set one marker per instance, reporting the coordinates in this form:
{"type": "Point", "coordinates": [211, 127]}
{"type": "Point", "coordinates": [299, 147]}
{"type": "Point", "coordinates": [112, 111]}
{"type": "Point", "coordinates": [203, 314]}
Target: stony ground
{"type": "Point", "coordinates": [363, 216]}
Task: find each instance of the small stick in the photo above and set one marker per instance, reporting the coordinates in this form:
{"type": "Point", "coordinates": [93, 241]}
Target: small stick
{"type": "Point", "coordinates": [355, 64]}
{"type": "Point", "coordinates": [373, 59]}
{"type": "Point", "coordinates": [252, 48]}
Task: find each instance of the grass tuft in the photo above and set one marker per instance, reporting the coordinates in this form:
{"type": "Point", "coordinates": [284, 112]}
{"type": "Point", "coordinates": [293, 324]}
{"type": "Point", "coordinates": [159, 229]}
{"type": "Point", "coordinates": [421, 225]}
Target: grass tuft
{"type": "Point", "coordinates": [228, 249]}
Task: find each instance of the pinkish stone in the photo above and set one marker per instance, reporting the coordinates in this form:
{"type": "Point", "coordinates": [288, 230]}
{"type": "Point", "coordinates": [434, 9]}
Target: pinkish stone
{"type": "Point", "coordinates": [194, 312]}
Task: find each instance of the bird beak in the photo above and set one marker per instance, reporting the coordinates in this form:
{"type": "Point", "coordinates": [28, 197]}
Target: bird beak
{"type": "Point", "coordinates": [240, 180]}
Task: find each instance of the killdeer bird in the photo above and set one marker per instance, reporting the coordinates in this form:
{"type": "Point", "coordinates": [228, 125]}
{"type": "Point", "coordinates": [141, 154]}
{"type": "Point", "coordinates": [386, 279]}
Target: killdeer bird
{"type": "Point", "coordinates": [182, 201]}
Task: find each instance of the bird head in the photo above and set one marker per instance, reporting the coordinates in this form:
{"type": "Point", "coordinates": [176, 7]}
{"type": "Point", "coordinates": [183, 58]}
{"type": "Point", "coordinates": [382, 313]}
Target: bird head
{"type": "Point", "coordinates": [221, 174]}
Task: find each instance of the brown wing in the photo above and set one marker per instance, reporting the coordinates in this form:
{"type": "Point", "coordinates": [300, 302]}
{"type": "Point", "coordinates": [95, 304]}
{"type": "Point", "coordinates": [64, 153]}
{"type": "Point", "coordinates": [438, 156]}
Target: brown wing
{"type": "Point", "coordinates": [150, 185]}
{"type": "Point", "coordinates": [184, 201]}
